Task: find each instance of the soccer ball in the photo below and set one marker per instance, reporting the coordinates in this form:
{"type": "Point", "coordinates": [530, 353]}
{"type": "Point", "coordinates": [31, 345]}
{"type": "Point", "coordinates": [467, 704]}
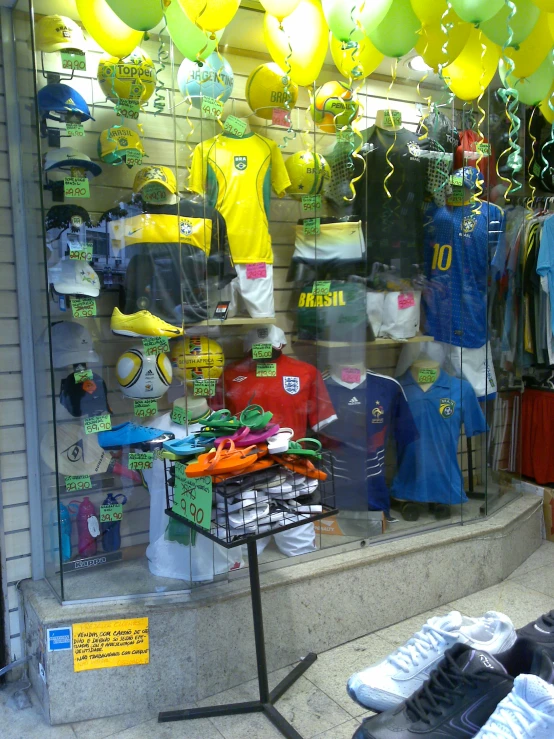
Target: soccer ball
{"type": "Point", "coordinates": [334, 107]}
{"type": "Point", "coordinates": [197, 358]}
{"type": "Point", "coordinates": [142, 376]}
{"type": "Point", "coordinates": [132, 78]}
{"type": "Point", "coordinates": [266, 89]}
{"type": "Point", "coordinates": [308, 173]}
{"type": "Point", "coordinates": [212, 78]}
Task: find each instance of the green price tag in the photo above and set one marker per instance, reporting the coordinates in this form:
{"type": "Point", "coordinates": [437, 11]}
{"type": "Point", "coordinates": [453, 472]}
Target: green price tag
{"type": "Point", "coordinates": [262, 351]}
{"type": "Point", "coordinates": [153, 192]}
{"type": "Point", "coordinates": [74, 59]}
{"type": "Point", "coordinates": [536, 169]}
{"type": "Point", "coordinates": [128, 108]}
{"type": "Point", "coordinates": [155, 345]}
{"type": "Point", "coordinates": [211, 108]}
{"type": "Point", "coordinates": [80, 252]}
{"type": "Point", "coordinates": [179, 415]}
{"type": "Point", "coordinates": [141, 460]}
{"type": "Point", "coordinates": [76, 187]}
{"type": "Point", "coordinates": [321, 288]}
{"type": "Point", "coordinates": [82, 375]}
{"type": "Point", "coordinates": [266, 370]}
{"type": "Point", "coordinates": [457, 180]}
{"type": "Point", "coordinates": [484, 149]}
{"type": "Point", "coordinates": [204, 388]}
{"type": "Point", "coordinates": [145, 408]}
{"type": "Point", "coordinates": [426, 376]}
{"type": "Point", "coordinates": [392, 118]}
{"type": "Point", "coordinates": [312, 226]}
{"type": "Point", "coordinates": [75, 129]}
{"type": "Point", "coordinates": [95, 424]}
{"type": "Point", "coordinates": [234, 126]}
{"type": "Point", "coordinates": [109, 513]}
{"type": "Point", "coordinates": [133, 160]}
{"type": "Point", "coordinates": [311, 202]}
{"type": "Point", "coordinates": [83, 307]}
{"type": "Point", "coordinates": [193, 497]}
{"type": "Point", "coordinates": [457, 196]}
{"type": "Point", "coordinates": [75, 483]}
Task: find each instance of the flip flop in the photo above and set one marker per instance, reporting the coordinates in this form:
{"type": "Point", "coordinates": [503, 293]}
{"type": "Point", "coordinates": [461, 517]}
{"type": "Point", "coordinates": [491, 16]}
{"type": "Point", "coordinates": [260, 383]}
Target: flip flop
{"type": "Point", "coordinates": [279, 442]}
{"type": "Point", "coordinates": [222, 419]}
{"type": "Point", "coordinates": [189, 446]}
{"type": "Point", "coordinates": [296, 448]}
{"type": "Point", "coordinates": [258, 466]}
{"type": "Point", "coordinates": [247, 437]}
{"type": "Point", "coordinates": [222, 460]}
{"type": "Point", "coordinates": [303, 466]}
{"type": "Point", "coordinates": [255, 418]}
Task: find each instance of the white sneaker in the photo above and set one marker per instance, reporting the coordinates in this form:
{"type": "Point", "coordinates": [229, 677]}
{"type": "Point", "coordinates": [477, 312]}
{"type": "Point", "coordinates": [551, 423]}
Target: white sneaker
{"type": "Point", "coordinates": [526, 713]}
{"type": "Point", "coordinates": [388, 683]}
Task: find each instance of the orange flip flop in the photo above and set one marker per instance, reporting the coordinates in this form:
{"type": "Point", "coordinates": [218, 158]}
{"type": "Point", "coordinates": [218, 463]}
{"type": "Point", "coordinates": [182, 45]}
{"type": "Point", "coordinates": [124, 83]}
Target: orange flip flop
{"type": "Point", "coordinates": [302, 466]}
{"type": "Point", "coordinates": [222, 460]}
{"type": "Point", "coordinates": [261, 464]}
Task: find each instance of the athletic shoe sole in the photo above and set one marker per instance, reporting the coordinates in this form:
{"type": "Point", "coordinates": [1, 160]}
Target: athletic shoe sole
{"type": "Point", "coordinates": [135, 335]}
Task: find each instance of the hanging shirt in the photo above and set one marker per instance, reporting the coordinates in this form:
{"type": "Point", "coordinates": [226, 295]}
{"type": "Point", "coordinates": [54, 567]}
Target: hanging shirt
{"type": "Point", "coordinates": [545, 262]}
{"type": "Point", "coordinates": [428, 469]}
{"type": "Point", "coordinates": [237, 175]}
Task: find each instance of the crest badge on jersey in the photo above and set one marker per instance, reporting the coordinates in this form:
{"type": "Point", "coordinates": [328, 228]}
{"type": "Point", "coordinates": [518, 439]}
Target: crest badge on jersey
{"type": "Point", "coordinates": [378, 412]}
{"type": "Point", "coordinates": [468, 224]}
{"type": "Point", "coordinates": [446, 407]}
{"type": "Point", "coordinates": [241, 163]}
{"type": "Point", "coordinates": [185, 227]}
{"type": "Point", "coordinates": [291, 385]}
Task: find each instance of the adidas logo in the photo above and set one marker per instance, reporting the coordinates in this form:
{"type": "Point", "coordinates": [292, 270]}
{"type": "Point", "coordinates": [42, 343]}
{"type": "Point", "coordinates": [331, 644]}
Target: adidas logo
{"type": "Point", "coordinates": [149, 373]}
{"type": "Point", "coordinates": [354, 401]}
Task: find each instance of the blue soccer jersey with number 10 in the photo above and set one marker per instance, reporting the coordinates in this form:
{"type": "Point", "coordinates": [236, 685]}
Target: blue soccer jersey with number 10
{"type": "Point", "coordinates": [460, 244]}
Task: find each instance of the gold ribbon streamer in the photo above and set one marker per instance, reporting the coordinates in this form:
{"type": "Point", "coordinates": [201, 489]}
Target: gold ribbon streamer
{"type": "Point", "coordinates": [529, 201]}
{"type": "Point", "coordinates": [476, 196]}
{"type": "Point", "coordinates": [394, 71]}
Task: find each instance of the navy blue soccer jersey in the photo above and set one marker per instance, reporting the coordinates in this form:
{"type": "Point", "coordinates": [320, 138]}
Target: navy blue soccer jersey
{"type": "Point", "coordinates": [459, 247]}
{"type": "Point", "coordinates": [368, 415]}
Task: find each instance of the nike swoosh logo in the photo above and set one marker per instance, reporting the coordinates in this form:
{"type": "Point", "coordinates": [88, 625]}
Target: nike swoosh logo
{"type": "Point", "coordinates": [134, 232]}
{"type": "Point", "coordinates": [542, 630]}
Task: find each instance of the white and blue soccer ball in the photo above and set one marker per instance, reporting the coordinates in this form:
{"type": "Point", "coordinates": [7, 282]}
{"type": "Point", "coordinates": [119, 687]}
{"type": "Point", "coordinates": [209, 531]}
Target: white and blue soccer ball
{"type": "Point", "coordinates": [210, 78]}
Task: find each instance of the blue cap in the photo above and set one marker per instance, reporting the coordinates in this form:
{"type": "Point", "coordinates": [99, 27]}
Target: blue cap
{"type": "Point", "coordinates": [58, 98]}
{"type": "Point", "coordinates": [470, 176]}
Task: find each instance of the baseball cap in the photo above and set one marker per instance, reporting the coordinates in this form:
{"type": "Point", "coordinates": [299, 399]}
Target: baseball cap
{"type": "Point", "coordinates": [163, 175]}
{"type": "Point", "coordinates": [72, 344]}
{"type": "Point", "coordinates": [67, 217]}
{"type": "Point", "coordinates": [74, 277]}
{"type": "Point", "coordinates": [59, 98]}
{"type": "Point", "coordinates": [88, 398]}
{"type": "Point", "coordinates": [55, 32]}
{"type": "Point", "coordinates": [66, 157]}
{"type": "Point", "coordinates": [265, 335]}
{"type": "Point", "coordinates": [116, 142]}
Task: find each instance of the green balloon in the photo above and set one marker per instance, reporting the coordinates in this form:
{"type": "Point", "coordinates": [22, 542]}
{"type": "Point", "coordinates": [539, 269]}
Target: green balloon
{"type": "Point", "coordinates": [531, 89]}
{"type": "Point", "coordinates": [397, 34]}
{"type": "Point", "coordinates": [142, 15]}
{"type": "Point", "coordinates": [187, 37]}
{"type": "Point", "coordinates": [477, 11]}
{"type": "Point", "coordinates": [523, 22]}
{"type": "Point", "coordinates": [341, 16]}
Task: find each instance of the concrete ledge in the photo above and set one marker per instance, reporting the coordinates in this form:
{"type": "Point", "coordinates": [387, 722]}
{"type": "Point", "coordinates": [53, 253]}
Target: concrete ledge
{"type": "Point", "coordinates": [202, 643]}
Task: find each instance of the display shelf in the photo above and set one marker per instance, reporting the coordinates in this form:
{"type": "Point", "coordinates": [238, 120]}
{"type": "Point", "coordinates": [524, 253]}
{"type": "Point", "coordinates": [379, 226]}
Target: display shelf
{"type": "Point", "coordinates": [244, 321]}
{"type": "Point", "coordinates": [377, 342]}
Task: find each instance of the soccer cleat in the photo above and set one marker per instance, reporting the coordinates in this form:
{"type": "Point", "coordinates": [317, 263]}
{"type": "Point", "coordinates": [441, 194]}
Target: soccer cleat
{"type": "Point", "coordinates": [387, 683]}
{"type": "Point", "coordinates": [528, 711]}
{"type": "Point", "coordinates": [142, 323]}
{"type": "Point", "coordinates": [541, 632]}
{"type": "Point", "coordinates": [461, 694]}
{"type": "Point", "coordinates": [130, 434]}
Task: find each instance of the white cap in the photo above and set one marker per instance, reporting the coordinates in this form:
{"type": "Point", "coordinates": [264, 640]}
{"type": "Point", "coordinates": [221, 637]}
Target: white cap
{"type": "Point", "coordinates": [72, 344]}
{"type": "Point", "coordinates": [73, 277]}
{"type": "Point", "coordinates": [66, 157]}
{"type": "Point", "coordinates": [265, 335]}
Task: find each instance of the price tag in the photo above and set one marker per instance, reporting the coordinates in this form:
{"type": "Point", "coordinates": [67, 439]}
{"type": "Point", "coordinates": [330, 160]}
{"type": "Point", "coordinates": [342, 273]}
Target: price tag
{"type": "Point", "coordinates": [321, 288]}
{"type": "Point", "coordinates": [76, 187]}
{"type": "Point", "coordinates": [350, 375]}
{"type": "Point", "coordinates": [312, 226]}
{"type": "Point", "coordinates": [280, 117]}
{"type": "Point", "coordinates": [256, 271]}
{"type": "Point", "coordinates": [74, 483]}
{"type": "Point", "coordinates": [133, 160]}
{"type": "Point", "coordinates": [75, 129]}
{"type": "Point", "coordinates": [484, 149]}
{"type": "Point", "coordinates": [266, 370]}
{"type": "Point", "coordinates": [193, 497]}
{"type": "Point", "coordinates": [74, 59]}
{"type": "Point", "coordinates": [234, 126]}
{"type": "Point", "coordinates": [204, 388]}
{"type": "Point", "coordinates": [406, 300]}
{"type": "Point", "coordinates": [80, 252]}
{"type": "Point", "coordinates": [211, 108]}
{"type": "Point", "coordinates": [426, 376]}
{"type": "Point", "coordinates": [109, 513]}
{"type": "Point", "coordinates": [141, 460]}
{"type": "Point", "coordinates": [83, 307]}
{"type": "Point", "coordinates": [457, 180]}
{"type": "Point", "coordinates": [153, 192]}
{"type": "Point", "coordinates": [82, 375]}
{"type": "Point", "coordinates": [179, 415]}
{"type": "Point", "coordinates": [128, 108]}
{"type": "Point", "coordinates": [457, 196]}
{"type": "Point", "coordinates": [262, 351]}
{"type": "Point", "coordinates": [392, 118]}
{"type": "Point", "coordinates": [95, 424]}
{"type": "Point", "coordinates": [311, 202]}
{"type": "Point", "coordinates": [145, 408]}
{"type": "Point", "coordinates": [155, 345]}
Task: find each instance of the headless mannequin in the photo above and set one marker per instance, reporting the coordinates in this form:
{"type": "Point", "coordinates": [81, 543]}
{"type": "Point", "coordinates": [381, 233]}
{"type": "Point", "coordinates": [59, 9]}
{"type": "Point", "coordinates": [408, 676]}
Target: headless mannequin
{"type": "Point", "coordinates": [350, 375]}
{"type": "Point", "coordinates": [389, 120]}
{"type": "Point", "coordinates": [425, 372]}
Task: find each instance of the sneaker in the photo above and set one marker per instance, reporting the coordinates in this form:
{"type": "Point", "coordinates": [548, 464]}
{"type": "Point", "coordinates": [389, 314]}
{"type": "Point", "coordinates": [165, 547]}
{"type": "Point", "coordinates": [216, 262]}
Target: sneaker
{"type": "Point", "coordinates": [390, 519]}
{"type": "Point", "coordinates": [129, 434]}
{"type": "Point", "coordinates": [461, 694]}
{"type": "Point", "coordinates": [387, 683]}
{"type": "Point", "coordinates": [528, 711]}
{"type": "Point", "coordinates": [142, 323]}
{"type": "Point", "coordinates": [541, 632]}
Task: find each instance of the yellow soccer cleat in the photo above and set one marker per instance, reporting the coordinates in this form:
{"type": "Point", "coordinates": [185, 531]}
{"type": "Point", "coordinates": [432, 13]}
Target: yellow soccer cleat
{"type": "Point", "coordinates": [142, 323]}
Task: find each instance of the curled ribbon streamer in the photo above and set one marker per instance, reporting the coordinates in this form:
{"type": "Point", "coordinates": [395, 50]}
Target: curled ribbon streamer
{"type": "Point", "coordinates": [221, 82]}
{"type": "Point", "coordinates": [446, 28]}
{"type": "Point", "coordinates": [288, 96]}
{"type": "Point", "coordinates": [190, 124]}
{"type": "Point", "coordinates": [428, 100]}
{"type": "Point", "coordinates": [510, 98]}
{"type": "Point", "coordinates": [394, 70]}
{"type": "Point", "coordinates": [529, 202]}
{"type": "Point", "coordinates": [550, 141]}
{"type": "Point", "coordinates": [163, 56]}
{"type": "Point", "coordinates": [355, 74]}
{"type": "Point", "coordinates": [476, 196]}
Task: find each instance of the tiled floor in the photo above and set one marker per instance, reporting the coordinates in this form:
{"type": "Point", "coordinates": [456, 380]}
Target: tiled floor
{"type": "Point", "coordinates": [317, 705]}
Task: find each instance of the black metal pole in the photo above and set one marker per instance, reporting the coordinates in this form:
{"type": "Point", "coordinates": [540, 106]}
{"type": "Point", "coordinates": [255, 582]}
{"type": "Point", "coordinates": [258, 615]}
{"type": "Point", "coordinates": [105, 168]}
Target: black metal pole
{"type": "Point", "coordinates": [257, 615]}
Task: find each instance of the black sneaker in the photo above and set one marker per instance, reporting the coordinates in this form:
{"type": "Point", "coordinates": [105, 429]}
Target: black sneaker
{"type": "Point", "coordinates": [541, 632]}
{"type": "Point", "coordinates": [460, 695]}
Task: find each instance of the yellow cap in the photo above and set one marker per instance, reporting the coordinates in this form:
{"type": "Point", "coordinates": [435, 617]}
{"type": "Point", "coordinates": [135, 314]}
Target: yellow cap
{"type": "Point", "coordinates": [55, 32]}
{"type": "Point", "coordinates": [163, 175]}
{"type": "Point", "coordinates": [116, 142]}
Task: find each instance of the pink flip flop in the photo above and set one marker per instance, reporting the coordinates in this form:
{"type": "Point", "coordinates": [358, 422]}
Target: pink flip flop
{"type": "Point", "coordinates": [246, 437]}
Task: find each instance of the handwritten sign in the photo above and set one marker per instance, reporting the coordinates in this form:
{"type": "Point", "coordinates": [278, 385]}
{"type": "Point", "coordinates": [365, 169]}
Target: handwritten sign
{"type": "Point", "coordinates": [76, 187]}
{"type": "Point", "coordinates": [204, 388]}
{"type": "Point", "coordinates": [211, 108]}
{"type": "Point", "coordinates": [262, 351]}
{"type": "Point", "coordinates": [193, 497]}
{"type": "Point", "coordinates": [141, 460]}
{"type": "Point", "coordinates": [74, 59]}
{"type": "Point", "coordinates": [75, 483]}
{"type": "Point", "coordinates": [145, 408]}
{"type": "Point", "coordinates": [179, 415]}
{"type": "Point", "coordinates": [83, 307]}
{"type": "Point", "coordinates": [426, 376]}
{"type": "Point", "coordinates": [81, 252]}
{"type": "Point", "coordinates": [321, 288]}
{"type": "Point", "coordinates": [266, 370]}
{"type": "Point", "coordinates": [312, 226]}
{"type": "Point", "coordinates": [95, 424]}
{"type": "Point", "coordinates": [128, 108]}
{"type": "Point", "coordinates": [234, 126]}
{"type": "Point", "coordinates": [155, 345]}
{"type": "Point", "coordinates": [101, 644]}
{"type": "Point", "coordinates": [311, 202]}
{"type": "Point", "coordinates": [110, 513]}
{"type": "Point", "coordinates": [75, 129]}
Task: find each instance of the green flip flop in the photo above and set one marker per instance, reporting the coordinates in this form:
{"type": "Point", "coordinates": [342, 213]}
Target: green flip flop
{"type": "Point", "coordinates": [295, 447]}
{"type": "Point", "coordinates": [255, 418]}
{"type": "Point", "coordinates": [223, 420]}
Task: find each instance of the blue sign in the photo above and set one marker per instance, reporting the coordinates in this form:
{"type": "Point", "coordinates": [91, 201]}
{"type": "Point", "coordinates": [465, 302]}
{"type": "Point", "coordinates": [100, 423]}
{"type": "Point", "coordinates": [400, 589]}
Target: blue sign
{"type": "Point", "coordinates": [59, 639]}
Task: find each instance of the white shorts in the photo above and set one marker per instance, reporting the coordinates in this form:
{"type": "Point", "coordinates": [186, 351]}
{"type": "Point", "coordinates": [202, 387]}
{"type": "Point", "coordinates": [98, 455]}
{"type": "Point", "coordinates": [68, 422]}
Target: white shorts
{"type": "Point", "coordinates": [335, 241]}
{"type": "Point", "coordinates": [401, 313]}
{"type": "Point", "coordinates": [256, 293]}
{"type": "Point", "coordinates": [292, 542]}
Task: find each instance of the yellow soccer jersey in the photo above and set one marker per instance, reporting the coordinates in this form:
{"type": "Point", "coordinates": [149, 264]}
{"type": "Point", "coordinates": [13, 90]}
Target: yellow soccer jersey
{"type": "Point", "coordinates": [237, 174]}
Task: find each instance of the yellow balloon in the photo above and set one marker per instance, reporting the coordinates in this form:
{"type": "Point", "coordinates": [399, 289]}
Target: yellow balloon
{"type": "Point", "coordinates": [471, 72]}
{"type": "Point", "coordinates": [545, 108]}
{"type": "Point", "coordinates": [109, 32]}
{"type": "Point", "coordinates": [306, 31]}
{"type": "Point", "coordinates": [429, 11]}
{"type": "Point", "coordinates": [532, 52]}
{"type": "Point", "coordinates": [210, 15]}
{"type": "Point", "coordinates": [547, 5]}
{"type": "Point", "coordinates": [433, 40]}
{"type": "Point", "coordinates": [367, 58]}
{"type": "Point", "coordinates": [280, 8]}
{"type": "Point", "coordinates": [550, 17]}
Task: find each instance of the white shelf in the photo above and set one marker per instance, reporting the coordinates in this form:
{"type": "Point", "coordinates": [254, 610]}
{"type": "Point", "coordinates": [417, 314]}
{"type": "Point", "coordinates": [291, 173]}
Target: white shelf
{"type": "Point", "coordinates": [378, 342]}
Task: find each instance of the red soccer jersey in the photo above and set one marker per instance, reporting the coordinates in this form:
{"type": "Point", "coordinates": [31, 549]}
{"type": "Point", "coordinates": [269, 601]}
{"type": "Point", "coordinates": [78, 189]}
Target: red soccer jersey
{"type": "Point", "coordinates": [296, 396]}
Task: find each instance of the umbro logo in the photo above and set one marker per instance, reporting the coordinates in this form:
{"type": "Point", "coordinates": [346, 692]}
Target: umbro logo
{"type": "Point", "coordinates": [354, 401]}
